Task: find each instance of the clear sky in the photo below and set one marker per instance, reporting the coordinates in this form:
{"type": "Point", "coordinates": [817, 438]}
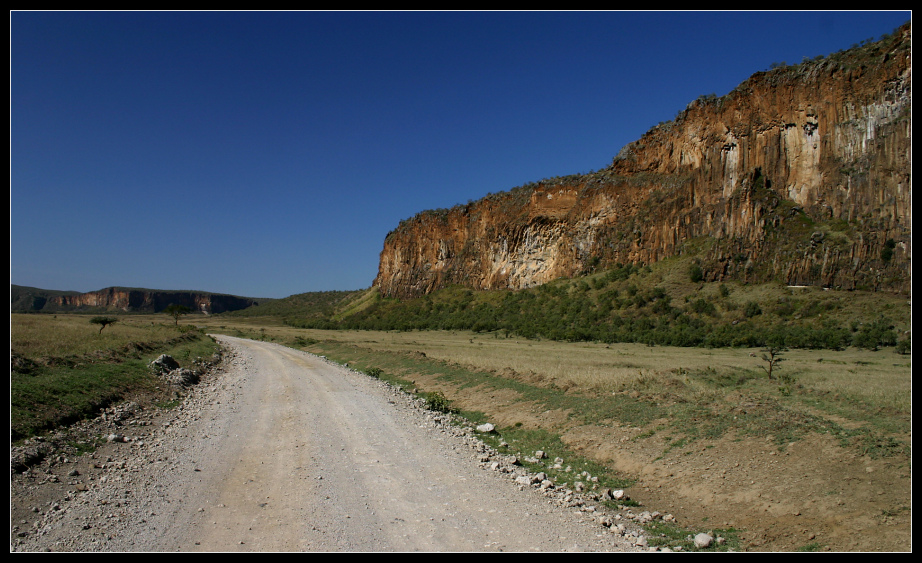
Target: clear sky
{"type": "Point", "coordinates": [266, 154]}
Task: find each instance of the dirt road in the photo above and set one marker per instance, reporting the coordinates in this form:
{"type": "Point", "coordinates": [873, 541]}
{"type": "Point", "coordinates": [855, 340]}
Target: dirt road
{"type": "Point", "coordinates": [284, 451]}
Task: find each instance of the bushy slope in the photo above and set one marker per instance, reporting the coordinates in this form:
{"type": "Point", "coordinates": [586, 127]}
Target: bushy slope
{"type": "Point", "coordinates": [662, 304]}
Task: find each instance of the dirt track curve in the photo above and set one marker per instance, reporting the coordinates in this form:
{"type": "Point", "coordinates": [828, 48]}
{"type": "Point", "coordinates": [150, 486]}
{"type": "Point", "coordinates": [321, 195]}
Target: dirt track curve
{"type": "Point", "coordinates": [284, 451]}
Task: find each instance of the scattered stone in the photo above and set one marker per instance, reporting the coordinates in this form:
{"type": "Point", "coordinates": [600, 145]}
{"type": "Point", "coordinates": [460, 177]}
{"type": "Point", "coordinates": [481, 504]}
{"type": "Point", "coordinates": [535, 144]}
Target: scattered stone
{"type": "Point", "coordinates": [164, 364]}
{"type": "Point", "coordinates": [117, 472]}
{"type": "Point", "coordinates": [181, 377]}
{"type": "Point", "coordinates": [703, 540]}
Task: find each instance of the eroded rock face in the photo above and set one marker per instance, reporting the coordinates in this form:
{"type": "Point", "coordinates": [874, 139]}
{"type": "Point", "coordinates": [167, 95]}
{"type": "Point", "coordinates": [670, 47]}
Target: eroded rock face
{"type": "Point", "coordinates": [152, 301]}
{"type": "Point", "coordinates": [801, 174]}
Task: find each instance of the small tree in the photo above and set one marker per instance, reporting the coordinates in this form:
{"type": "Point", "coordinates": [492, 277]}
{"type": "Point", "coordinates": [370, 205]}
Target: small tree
{"type": "Point", "coordinates": [904, 346]}
{"type": "Point", "coordinates": [772, 356]}
{"type": "Point", "coordinates": [103, 322]}
{"type": "Point", "coordinates": [176, 311]}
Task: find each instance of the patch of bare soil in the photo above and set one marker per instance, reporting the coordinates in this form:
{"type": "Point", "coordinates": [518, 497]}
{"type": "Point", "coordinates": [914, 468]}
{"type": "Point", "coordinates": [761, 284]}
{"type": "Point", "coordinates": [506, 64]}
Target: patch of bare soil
{"type": "Point", "coordinates": [811, 494]}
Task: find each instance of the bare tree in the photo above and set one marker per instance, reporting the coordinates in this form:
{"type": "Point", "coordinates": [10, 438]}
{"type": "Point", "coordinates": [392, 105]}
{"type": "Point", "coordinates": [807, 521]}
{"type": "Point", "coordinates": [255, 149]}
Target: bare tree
{"type": "Point", "coordinates": [772, 355]}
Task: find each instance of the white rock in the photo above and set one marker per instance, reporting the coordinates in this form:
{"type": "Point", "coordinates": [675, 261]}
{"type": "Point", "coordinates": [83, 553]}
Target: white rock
{"type": "Point", "coordinates": [486, 427]}
{"type": "Point", "coordinates": [703, 540]}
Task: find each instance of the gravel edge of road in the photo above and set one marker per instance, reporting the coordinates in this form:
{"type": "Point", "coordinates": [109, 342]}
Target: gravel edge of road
{"type": "Point", "coordinates": [130, 429]}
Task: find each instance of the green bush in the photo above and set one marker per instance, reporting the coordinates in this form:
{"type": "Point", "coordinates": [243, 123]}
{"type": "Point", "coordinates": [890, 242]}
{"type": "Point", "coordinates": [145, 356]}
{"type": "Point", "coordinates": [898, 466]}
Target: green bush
{"type": "Point", "coordinates": [887, 253]}
{"type": "Point", "coordinates": [752, 309]}
{"type": "Point", "coordinates": [875, 334]}
{"type": "Point", "coordinates": [436, 401]}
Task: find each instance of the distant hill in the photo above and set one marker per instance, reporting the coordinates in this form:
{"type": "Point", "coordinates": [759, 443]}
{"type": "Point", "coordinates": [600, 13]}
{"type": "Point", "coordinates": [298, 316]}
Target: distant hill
{"type": "Point", "coordinates": [125, 299]}
{"type": "Point", "coordinates": [24, 298]}
{"type": "Point", "coordinates": [318, 306]}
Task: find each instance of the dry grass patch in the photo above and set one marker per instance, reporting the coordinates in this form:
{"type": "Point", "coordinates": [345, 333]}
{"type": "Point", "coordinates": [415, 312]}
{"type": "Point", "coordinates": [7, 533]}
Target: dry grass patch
{"type": "Point", "coordinates": [700, 423]}
{"type": "Point", "coordinates": [36, 336]}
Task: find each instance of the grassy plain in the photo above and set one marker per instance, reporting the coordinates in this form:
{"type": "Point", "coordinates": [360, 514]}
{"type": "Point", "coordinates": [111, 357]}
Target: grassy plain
{"type": "Point", "coordinates": [878, 379]}
{"type": "Point", "coordinates": [658, 418]}
{"type": "Point", "coordinates": [698, 432]}
{"type": "Point", "coordinates": [63, 368]}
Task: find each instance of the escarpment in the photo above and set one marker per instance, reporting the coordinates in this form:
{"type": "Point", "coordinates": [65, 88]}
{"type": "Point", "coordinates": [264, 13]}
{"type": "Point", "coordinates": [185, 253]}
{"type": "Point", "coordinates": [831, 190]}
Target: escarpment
{"type": "Point", "coordinates": [146, 300]}
{"type": "Point", "coordinates": [801, 174]}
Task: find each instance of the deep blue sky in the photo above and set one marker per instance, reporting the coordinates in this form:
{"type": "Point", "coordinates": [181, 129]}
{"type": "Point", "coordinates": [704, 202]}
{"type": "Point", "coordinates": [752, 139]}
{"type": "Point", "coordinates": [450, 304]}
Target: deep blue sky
{"type": "Point", "coordinates": [269, 153]}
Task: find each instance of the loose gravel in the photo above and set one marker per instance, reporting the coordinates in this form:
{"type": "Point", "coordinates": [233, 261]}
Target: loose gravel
{"type": "Point", "coordinates": [280, 450]}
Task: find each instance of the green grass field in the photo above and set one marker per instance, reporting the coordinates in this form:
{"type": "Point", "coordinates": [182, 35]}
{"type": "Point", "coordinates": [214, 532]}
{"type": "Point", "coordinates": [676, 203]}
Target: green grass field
{"type": "Point", "coordinates": [675, 400]}
{"type": "Point", "coordinates": [63, 368]}
{"type": "Point", "coordinates": [869, 392]}
{"type": "Point", "coordinates": [667, 404]}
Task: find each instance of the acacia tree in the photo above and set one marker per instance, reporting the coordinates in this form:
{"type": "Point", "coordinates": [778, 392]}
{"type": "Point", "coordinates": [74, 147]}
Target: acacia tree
{"type": "Point", "coordinates": [103, 322]}
{"type": "Point", "coordinates": [176, 311]}
{"type": "Point", "coordinates": [772, 355]}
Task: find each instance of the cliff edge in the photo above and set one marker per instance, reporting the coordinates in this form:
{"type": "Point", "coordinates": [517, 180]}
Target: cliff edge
{"type": "Point", "coordinates": [28, 299]}
{"type": "Point", "coordinates": [802, 174]}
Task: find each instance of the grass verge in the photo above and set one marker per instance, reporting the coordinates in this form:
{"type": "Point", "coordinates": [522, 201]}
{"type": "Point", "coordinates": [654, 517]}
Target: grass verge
{"type": "Point", "coordinates": [49, 391]}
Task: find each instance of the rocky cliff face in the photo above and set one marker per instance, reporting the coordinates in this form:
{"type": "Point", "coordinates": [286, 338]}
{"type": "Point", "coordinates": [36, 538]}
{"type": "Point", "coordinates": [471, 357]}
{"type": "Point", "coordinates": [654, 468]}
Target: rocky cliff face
{"type": "Point", "coordinates": [802, 174]}
{"type": "Point", "coordinates": [144, 300]}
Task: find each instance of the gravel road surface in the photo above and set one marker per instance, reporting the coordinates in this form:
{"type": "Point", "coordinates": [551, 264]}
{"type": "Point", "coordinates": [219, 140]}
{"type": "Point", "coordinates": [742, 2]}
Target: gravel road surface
{"type": "Point", "coordinates": [280, 450]}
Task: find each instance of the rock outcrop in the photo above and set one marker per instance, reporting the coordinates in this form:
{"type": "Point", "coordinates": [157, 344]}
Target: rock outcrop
{"type": "Point", "coordinates": [147, 300]}
{"type": "Point", "coordinates": [802, 174]}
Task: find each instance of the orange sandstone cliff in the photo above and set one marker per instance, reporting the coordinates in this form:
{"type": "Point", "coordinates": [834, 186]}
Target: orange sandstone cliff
{"type": "Point", "coordinates": [802, 174]}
